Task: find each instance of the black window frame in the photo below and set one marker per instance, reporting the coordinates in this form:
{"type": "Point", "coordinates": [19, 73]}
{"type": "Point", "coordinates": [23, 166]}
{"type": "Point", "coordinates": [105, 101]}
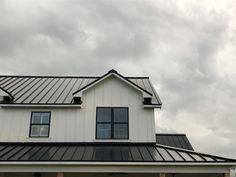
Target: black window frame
{"type": "Point", "coordinates": [112, 123]}
{"type": "Point", "coordinates": [31, 124]}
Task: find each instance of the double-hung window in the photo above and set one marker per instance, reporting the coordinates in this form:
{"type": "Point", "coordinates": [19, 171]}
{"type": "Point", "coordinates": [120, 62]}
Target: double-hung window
{"type": "Point", "coordinates": [40, 124]}
{"type": "Point", "coordinates": [112, 123]}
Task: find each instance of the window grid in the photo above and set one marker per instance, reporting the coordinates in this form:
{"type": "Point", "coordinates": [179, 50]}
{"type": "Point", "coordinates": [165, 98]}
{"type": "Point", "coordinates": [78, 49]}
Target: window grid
{"type": "Point", "coordinates": [112, 123]}
{"type": "Point", "coordinates": [39, 124]}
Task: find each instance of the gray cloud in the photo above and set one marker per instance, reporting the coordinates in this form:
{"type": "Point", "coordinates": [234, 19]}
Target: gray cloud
{"type": "Point", "coordinates": [186, 47]}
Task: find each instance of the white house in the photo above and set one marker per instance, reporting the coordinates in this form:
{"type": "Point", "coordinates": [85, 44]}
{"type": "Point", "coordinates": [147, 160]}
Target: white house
{"type": "Point", "coordinates": [92, 126]}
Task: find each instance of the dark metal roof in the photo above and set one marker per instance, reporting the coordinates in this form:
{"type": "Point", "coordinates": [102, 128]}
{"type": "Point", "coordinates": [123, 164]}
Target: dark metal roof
{"type": "Point", "coordinates": [56, 90]}
{"type": "Point", "coordinates": [174, 140]}
{"type": "Point", "coordinates": [95, 152]}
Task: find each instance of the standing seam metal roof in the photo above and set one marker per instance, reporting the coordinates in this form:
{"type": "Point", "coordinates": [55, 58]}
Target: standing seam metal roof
{"type": "Point", "coordinates": [57, 90]}
{"type": "Point", "coordinates": [112, 152]}
{"type": "Point", "coordinates": [174, 140]}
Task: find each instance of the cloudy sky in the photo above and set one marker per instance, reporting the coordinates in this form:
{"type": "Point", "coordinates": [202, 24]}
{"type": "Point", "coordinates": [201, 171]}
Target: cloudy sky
{"type": "Point", "coordinates": [187, 48]}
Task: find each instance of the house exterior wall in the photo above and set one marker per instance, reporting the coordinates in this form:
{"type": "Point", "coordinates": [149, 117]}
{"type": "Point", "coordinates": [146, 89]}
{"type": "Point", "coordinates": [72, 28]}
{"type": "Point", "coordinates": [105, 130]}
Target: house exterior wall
{"type": "Point", "coordinates": [79, 124]}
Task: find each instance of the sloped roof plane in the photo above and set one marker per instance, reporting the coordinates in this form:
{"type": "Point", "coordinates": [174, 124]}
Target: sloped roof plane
{"type": "Point", "coordinates": [174, 140]}
{"type": "Point", "coordinates": [58, 90]}
{"type": "Point", "coordinates": [102, 152]}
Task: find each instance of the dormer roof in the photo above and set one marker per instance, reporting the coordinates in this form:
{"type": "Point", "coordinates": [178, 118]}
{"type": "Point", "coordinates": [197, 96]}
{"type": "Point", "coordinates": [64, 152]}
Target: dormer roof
{"type": "Point", "coordinates": [116, 74]}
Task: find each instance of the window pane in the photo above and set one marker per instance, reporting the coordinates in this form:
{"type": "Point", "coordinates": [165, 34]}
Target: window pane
{"type": "Point", "coordinates": [103, 114]}
{"type": "Point", "coordinates": [103, 131]}
{"type": "Point", "coordinates": [120, 131]}
{"type": "Point", "coordinates": [35, 130]}
{"type": "Point", "coordinates": [44, 130]}
{"type": "Point", "coordinates": [45, 118]}
{"type": "Point", "coordinates": [120, 115]}
{"type": "Point", "coordinates": [36, 119]}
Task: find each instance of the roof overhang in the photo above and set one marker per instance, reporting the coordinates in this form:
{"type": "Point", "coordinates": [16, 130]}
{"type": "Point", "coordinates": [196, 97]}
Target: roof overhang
{"type": "Point", "coordinates": [14, 105]}
{"type": "Point", "coordinates": [116, 167]}
{"type": "Point", "coordinates": [5, 96]}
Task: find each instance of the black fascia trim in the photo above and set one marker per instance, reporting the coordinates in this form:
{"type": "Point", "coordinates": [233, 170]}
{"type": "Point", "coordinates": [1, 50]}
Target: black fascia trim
{"type": "Point", "coordinates": [7, 93]}
{"type": "Point", "coordinates": [49, 124]}
{"type": "Point", "coordinates": [112, 72]}
{"type": "Point", "coordinates": [42, 104]}
{"type": "Point", "coordinates": [170, 134]}
{"type": "Point", "coordinates": [153, 104]}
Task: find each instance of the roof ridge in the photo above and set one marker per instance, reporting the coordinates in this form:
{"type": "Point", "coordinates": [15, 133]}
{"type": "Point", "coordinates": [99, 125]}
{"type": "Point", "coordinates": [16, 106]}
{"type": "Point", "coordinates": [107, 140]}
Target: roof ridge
{"type": "Point", "coordinates": [55, 76]}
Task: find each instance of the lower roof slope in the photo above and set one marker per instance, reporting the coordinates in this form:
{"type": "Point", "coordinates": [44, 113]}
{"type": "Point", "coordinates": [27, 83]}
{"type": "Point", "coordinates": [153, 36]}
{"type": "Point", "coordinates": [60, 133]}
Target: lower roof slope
{"type": "Point", "coordinates": [174, 140]}
{"type": "Point", "coordinates": [108, 152]}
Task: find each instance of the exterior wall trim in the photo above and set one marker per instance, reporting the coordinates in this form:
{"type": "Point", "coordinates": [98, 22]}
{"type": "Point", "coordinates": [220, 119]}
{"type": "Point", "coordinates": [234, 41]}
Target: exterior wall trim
{"type": "Point", "coordinates": [114, 167]}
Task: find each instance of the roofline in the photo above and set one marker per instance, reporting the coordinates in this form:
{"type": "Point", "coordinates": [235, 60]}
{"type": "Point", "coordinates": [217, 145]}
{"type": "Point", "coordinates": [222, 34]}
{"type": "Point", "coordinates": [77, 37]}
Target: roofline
{"type": "Point", "coordinates": [82, 77]}
{"type": "Point", "coordinates": [108, 163]}
{"type": "Point", "coordinates": [155, 93]}
{"type": "Point", "coordinates": [116, 167]}
{"type": "Point", "coordinates": [110, 73]}
{"type": "Point", "coordinates": [77, 143]}
{"type": "Point", "coordinates": [171, 134]}
{"type": "Point", "coordinates": [40, 105]}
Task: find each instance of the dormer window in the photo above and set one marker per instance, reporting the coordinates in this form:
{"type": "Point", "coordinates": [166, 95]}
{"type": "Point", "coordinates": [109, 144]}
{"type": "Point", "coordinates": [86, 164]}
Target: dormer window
{"type": "Point", "coordinates": [112, 123]}
{"type": "Point", "coordinates": [40, 124]}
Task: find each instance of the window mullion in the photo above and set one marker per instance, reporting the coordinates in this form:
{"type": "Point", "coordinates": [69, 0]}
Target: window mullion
{"type": "Point", "coordinates": [112, 123]}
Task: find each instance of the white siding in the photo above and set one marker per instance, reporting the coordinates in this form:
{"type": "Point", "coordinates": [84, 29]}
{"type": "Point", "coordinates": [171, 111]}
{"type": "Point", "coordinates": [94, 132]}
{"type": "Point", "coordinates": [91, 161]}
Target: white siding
{"type": "Point", "coordinates": [78, 124]}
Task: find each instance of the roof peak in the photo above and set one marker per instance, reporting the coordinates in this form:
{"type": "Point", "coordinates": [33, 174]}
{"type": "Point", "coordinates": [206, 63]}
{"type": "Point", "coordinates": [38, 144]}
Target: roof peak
{"type": "Point", "coordinates": [112, 71]}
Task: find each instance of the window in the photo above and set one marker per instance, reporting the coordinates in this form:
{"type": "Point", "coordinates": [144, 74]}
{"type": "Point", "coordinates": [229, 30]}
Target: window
{"type": "Point", "coordinates": [40, 124]}
{"type": "Point", "coordinates": [112, 123]}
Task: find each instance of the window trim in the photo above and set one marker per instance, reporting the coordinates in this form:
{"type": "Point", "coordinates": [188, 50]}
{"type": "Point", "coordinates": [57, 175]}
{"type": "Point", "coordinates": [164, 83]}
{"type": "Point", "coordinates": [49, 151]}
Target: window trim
{"type": "Point", "coordinates": [112, 123]}
{"type": "Point", "coordinates": [49, 124]}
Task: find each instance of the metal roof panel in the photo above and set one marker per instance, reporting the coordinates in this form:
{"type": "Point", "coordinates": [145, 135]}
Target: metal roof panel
{"type": "Point", "coordinates": [110, 152]}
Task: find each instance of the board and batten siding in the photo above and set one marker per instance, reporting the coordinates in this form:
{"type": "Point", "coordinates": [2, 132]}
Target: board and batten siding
{"type": "Point", "coordinates": [79, 124]}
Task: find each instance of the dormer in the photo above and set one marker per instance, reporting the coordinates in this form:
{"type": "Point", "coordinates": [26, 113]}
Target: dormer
{"type": "Point", "coordinates": [147, 95]}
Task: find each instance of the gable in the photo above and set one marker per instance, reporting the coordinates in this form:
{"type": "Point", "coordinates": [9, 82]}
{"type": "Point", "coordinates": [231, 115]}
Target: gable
{"type": "Point", "coordinates": [112, 92]}
{"type": "Point", "coordinates": [113, 73]}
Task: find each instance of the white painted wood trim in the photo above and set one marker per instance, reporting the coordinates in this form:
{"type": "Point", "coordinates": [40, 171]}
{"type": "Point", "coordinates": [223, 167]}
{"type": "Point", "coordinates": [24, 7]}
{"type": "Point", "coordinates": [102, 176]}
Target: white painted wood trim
{"type": "Point", "coordinates": [116, 168]}
{"type": "Point", "coordinates": [152, 106]}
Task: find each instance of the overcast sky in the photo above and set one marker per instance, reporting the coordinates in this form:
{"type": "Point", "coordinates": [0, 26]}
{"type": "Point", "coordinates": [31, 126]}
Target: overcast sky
{"type": "Point", "coordinates": [187, 48]}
